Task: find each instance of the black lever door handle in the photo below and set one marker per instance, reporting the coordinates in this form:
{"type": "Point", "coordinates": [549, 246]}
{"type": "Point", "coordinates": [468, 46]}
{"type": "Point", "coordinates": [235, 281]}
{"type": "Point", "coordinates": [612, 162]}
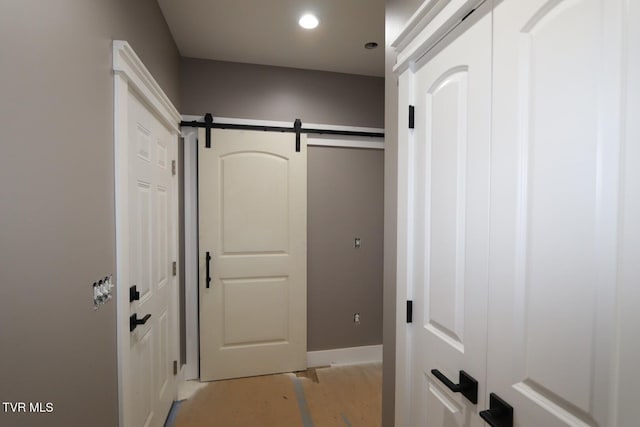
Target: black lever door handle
{"type": "Point", "coordinates": [134, 295]}
{"type": "Point", "coordinates": [467, 385]}
{"type": "Point", "coordinates": [208, 270]}
{"type": "Point", "coordinates": [499, 414]}
{"type": "Point", "coordinates": [134, 321]}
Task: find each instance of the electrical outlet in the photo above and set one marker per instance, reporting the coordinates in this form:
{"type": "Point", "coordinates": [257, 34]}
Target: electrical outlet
{"type": "Point", "coordinates": [356, 318]}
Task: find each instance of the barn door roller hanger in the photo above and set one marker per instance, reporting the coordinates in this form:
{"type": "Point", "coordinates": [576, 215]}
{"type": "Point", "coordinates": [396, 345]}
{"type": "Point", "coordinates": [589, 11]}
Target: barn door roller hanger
{"type": "Point", "coordinates": [297, 128]}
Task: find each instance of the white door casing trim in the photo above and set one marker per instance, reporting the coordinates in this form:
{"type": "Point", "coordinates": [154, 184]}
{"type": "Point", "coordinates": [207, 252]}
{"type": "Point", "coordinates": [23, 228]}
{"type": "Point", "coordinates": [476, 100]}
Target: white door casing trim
{"type": "Point", "coordinates": [403, 261]}
{"type": "Point", "coordinates": [131, 74]}
{"type": "Point", "coordinates": [128, 65]}
{"type": "Point", "coordinates": [191, 290]}
{"type": "Point", "coordinates": [428, 25]}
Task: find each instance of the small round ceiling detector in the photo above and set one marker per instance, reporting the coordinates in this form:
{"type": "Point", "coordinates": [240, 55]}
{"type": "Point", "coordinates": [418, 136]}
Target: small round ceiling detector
{"type": "Point", "coordinates": [370, 45]}
{"type": "Point", "coordinates": [308, 21]}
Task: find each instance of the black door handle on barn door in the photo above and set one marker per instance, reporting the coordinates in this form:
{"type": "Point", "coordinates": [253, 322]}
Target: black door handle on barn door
{"type": "Point", "coordinates": [467, 385]}
{"type": "Point", "coordinates": [208, 278]}
{"type": "Point", "coordinates": [134, 321]}
{"type": "Point", "coordinates": [499, 414]}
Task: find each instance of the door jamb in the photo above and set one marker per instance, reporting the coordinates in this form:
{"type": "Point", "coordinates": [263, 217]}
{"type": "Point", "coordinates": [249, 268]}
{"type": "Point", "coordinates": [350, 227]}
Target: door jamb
{"type": "Point", "coordinates": [192, 311]}
{"type": "Point", "coordinates": [130, 74]}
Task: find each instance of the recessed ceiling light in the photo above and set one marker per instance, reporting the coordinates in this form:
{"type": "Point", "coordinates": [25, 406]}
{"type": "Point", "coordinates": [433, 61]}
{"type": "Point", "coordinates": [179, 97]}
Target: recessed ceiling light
{"type": "Point", "coordinates": [371, 45]}
{"type": "Point", "coordinates": [308, 21]}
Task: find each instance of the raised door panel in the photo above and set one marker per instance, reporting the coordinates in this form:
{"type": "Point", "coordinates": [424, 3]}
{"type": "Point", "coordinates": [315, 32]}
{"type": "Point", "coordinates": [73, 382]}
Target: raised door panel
{"type": "Point", "coordinates": [447, 104]}
{"type": "Point", "coordinates": [255, 192]}
{"type": "Point", "coordinates": [554, 210]}
{"type": "Point", "coordinates": [449, 226]}
{"type": "Point", "coordinates": [265, 300]}
{"type": "Point", "coordinates": [141, 236]}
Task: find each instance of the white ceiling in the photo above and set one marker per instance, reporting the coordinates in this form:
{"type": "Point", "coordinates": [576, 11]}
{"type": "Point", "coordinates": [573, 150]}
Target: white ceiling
{"type": "Point", "coordinates": [267, 32]}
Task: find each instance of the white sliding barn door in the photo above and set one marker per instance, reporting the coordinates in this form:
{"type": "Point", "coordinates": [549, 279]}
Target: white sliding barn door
{"type": "Point", "coordinates": [253, 218]}
{"type": "Point", "coordinates": [556, 186]}
{"type": "Point", "coordinates": [449, 226]}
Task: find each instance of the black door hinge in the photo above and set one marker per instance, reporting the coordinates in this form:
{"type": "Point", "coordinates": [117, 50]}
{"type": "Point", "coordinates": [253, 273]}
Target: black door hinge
{"type": "Point", "coordinates": [175, 367]}
{"type": "Point", "coordinates": [412, 117]}
{"type": "Point", "coordinates": [409, 311]}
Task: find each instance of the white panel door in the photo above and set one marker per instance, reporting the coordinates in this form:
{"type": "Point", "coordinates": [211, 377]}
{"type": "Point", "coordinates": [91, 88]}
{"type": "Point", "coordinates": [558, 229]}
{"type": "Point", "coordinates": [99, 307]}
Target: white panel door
{"type": "Point", "coordinates": [253, 226]}
{"type": "Point", "coordinates": [151, 386]}
{"type": "Point", "coordinates": [448, 244]}
{"type": "Point", "coordinates": [555, 209]}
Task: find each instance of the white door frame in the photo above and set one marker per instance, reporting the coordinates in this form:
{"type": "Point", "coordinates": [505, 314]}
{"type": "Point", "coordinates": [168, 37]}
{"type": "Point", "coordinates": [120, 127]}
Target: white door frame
{"type": "Point", "coordinates": [192, 362]}
{"type": "Point", "coordinates": [130, 74]}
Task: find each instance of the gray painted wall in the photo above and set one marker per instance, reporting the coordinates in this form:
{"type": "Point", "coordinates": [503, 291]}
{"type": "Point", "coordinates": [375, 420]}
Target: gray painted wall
{"type": "Point", "coordinates": [57, 227]}
{"type": "Point", "coordinates": [397, 13]}
{"type": "Point", "coordinates": [345, 201]}
{"type": "Point", "coordinates": [228, 89]}
{"type": "Point", "coordinates": [340, 281]}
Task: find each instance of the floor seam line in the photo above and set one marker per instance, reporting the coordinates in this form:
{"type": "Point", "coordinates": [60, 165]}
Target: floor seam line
{"type": "Point", "coordinates": [302, 403]}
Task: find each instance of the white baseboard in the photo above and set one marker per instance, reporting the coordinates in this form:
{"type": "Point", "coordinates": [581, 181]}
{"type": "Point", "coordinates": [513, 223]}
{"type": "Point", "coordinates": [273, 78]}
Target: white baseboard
{"type": "Point", "coordinates": [345, 356]}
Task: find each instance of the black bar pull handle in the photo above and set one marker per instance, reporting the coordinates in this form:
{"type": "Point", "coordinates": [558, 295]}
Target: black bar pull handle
{"type": "Point", "coordinates": [134, 321]}
{"type": "Point", "coordinates": [499, 414]}
{"type": "Point", "coordinates": [208, 270]}
{"type": "Point", "coordinates": [467, 385]}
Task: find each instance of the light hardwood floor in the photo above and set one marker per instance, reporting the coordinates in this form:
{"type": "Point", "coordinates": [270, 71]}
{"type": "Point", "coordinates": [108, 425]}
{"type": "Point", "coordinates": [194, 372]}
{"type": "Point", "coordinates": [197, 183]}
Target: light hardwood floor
{"type": "Point", "coordinates": [345, 396]}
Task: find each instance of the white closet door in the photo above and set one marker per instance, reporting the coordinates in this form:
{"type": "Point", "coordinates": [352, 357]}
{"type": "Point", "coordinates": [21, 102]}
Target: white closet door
{"type": "Point", "coordinates": [152, 210]}
{"type": "Point", "coordinates": [448, 243]}
{"type": "Point", "coordinates": [555, 209]}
